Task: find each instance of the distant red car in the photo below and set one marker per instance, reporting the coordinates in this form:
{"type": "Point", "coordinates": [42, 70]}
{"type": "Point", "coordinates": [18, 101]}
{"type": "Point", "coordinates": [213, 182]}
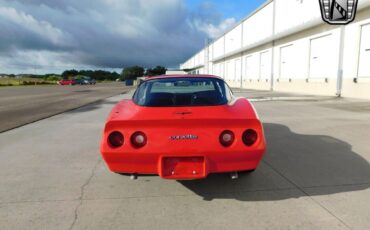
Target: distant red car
{"type": "Point", "coordinates": [67, 82]}
{"type": "Point", "coordinates": [183, 127]}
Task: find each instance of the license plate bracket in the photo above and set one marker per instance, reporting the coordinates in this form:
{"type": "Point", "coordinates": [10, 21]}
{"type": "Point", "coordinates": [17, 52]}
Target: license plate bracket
{"type": "Point", "coordinates": [183, 167]}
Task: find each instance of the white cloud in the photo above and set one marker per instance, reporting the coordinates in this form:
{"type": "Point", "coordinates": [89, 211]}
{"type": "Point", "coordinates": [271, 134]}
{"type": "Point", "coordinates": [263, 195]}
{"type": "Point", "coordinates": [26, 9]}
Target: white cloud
{"type": "Point", "coordinates": [28, 22]}
{"type": "Point", "coordinates": [103, 33]}
{"type": "Point", "coordinates": [214, 31]}
{"type": "Point", "coordinates": [38, 62]}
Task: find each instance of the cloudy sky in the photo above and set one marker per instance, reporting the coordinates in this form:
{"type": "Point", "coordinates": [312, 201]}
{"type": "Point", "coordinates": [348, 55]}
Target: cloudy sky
{"type": "Point", "coordinates": [40, 36]}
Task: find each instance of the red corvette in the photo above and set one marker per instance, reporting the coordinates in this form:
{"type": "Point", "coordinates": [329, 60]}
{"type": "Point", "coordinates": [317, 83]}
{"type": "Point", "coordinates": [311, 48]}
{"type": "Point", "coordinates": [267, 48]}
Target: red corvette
{"type": "Point", "coordinates": [183, 127]}
{"type": "Point", "coordinates": [67, 82]}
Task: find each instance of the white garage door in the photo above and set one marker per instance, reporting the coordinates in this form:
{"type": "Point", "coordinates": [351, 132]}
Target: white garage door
{"type": "Point", "coordinates": [286, 62]}
{"type": "Point", "coordinates": [222, 71]}
{"type": "Point", "coordinates": [215, 70]}
{"type": "Point", "coordinates": [238, 70]}
{"type": "Point", "coordinates": [364, 64]}
{"type": "Point", "coordinates": [265, 65]}
{"type": "Point", "coordinates": [323, 59]}
{"type": "Point", "coordinates": [248, 67]}
{"type": "Point", "coordinates": [230, 70]}
{"type": "Point", "coordinates": [226, 72]}
{"type": "Point", "coordinates": [251, 67]}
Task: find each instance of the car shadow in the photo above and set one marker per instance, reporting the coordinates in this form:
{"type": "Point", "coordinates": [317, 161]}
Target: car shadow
{"type": "Point", "coordinates": [295, 165]}
{"type": "Point", "coordinates": [93, 106]}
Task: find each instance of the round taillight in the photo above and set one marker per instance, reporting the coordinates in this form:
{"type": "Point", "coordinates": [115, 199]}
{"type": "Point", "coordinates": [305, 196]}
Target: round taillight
{"type": "Point", "coordinates": [227, 138]}
{"type": "Point", "coordinates": [250, 137]}
{"type": "Point", "coordinates": [116, 139]}
{"type": "Point", "coordinates": [138, 139]}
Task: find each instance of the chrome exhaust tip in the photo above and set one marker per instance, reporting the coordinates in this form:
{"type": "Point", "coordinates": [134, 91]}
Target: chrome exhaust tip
{"type": "Point", "coordinates": [234, 175]}
{"type": "Point", "coordinates": [133, 176]}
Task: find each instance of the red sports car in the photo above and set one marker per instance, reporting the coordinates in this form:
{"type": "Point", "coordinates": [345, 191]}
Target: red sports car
{"type": "Point", "coordinates": [183, 127]}
{"type": "Point", "coordinates": [67, 82]}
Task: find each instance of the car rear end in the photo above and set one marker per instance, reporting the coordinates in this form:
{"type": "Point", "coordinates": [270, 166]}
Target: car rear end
{"type": "Point", "coordinates": [183, 142]}
{"type": "Point", "coordinates": [184, 148]}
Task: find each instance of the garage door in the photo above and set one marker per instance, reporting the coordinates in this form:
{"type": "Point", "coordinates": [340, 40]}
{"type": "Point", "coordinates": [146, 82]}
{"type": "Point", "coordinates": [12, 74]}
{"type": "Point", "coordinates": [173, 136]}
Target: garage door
{"type": "Point", "coordinates": [252, 67]}
{"type": "Point", "coordinates": [265, 65]}
{"type": "Point", "coordinates": [218, 71]}
{"type": "Point", "coordinates": [230, 70]}
{"type": "Point", "coordinates": [364, 69]}
{"type": "Point", "coordinates": [226, 71]}
{"type": "Point", "coordinates": [215, 70]}
{"type": "Point", "coordinates": [238, 70]}
{"type": "Point", "coordinates": [248, 67]}
{"type": "Point", "coordinates": [222, 71]}
{"type": "Point", "coordinates": [322, 57]}
{"type": "Point", "coordinates": [286, 62]}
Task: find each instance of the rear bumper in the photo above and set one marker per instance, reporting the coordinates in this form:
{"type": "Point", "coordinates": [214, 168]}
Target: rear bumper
{"type": "Point", "coordinates": [183, 166]}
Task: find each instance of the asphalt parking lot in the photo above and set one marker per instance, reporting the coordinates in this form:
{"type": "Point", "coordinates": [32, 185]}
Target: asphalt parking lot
{"type": "Point", "coordinates": [25, 104]}
{"type": "Point", "coordinates": [315, 175]}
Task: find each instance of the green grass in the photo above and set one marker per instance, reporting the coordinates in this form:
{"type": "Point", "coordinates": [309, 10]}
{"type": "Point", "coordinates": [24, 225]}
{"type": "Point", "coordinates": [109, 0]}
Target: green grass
{"type": "Point", "coordinates": [24, 81]}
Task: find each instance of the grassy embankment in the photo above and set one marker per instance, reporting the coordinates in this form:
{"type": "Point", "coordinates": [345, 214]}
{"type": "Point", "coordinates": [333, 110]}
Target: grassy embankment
{"type": "Point", "coordinates": [25, 81]}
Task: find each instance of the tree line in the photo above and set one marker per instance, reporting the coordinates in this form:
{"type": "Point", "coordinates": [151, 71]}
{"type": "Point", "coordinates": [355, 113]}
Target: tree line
{"type": "Point", "coordinates": [99, 75]}
{"type": "Point", "coordinates": [128, 73]}
{"type": "Point", "coordinates": [133, 72]}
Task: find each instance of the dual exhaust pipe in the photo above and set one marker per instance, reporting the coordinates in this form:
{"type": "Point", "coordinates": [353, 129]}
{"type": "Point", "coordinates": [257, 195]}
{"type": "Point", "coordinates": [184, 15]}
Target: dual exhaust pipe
{"type": "Point", "coordinates": [233, 176]}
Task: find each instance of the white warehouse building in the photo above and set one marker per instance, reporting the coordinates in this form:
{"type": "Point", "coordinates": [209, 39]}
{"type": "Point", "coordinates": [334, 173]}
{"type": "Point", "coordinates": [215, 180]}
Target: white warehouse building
{"type": "Point", "coordinates": [286, 46]}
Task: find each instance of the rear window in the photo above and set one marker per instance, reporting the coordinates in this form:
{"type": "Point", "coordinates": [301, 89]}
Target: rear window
{"type": "Point", "coordinates": [180, 92]}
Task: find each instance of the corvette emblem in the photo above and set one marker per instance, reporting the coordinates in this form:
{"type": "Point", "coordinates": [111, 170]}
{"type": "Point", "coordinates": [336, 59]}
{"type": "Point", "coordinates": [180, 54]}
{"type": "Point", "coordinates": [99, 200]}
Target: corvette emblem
{"type": "Point", "coordinates": [338, 12]}
{"type": "Point", "coordinates": [183, 137]}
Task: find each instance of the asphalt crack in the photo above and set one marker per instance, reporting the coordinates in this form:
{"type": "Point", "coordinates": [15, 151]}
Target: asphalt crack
{"type": "Point", "coordinates": [80, 198]}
